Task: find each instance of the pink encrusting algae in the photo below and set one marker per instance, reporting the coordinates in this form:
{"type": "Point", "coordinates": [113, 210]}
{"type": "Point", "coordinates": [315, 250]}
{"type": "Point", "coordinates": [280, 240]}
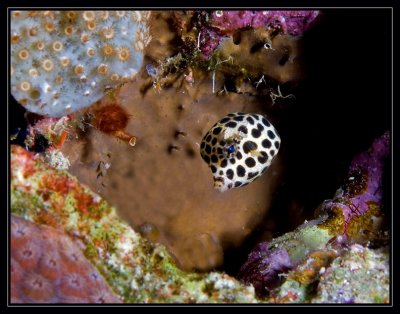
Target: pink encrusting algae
{"type": "Point", "coordinates": [48, 267]}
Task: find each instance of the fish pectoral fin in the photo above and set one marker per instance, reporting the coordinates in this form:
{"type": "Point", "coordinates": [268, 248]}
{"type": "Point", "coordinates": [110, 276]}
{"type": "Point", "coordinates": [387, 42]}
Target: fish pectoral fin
{"type": "Point", "coordinates": [255, 153]}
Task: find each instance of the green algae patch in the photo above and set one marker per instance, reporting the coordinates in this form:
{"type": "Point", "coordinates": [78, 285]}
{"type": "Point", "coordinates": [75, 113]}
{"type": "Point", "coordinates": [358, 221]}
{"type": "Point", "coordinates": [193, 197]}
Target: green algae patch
{"type": "Point", "coordinates": [302, 241]}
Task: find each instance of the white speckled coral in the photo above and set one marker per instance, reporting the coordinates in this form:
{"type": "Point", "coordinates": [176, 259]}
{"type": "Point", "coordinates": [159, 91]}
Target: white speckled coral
{"type": "Point", "coordinates": [62, 61]}
{"type": "Point", "coordinates": [239, 148]}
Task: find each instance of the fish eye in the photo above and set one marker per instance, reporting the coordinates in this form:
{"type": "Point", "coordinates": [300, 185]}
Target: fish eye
{"type": "Point", "coordinates": [230, 149]}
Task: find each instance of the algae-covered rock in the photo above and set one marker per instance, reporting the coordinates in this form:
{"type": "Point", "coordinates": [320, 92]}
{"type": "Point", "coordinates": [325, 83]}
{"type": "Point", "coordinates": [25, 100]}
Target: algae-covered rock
{"type": "Point", "coordinates": [135, 269]}
{"type": "Point", "coordinates": [297, 260]}
{"type": "Point", "coordinates": [360, 275]}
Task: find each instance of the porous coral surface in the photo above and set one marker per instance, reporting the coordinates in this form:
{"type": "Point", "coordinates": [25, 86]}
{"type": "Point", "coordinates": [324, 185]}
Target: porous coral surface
{"type": "Point", "coordinates": [247, 57]}
{"type": "Point", "coordinates": [62, 61]}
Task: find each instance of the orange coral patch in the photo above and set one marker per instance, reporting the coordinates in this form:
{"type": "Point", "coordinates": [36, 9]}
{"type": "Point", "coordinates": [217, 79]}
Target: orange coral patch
{"type": "Point", "coordinates": [110, 118]}
{"type": "Point", "coordinates": [83, 200]}
{"type": "Point", "coordinates": [56, 183]}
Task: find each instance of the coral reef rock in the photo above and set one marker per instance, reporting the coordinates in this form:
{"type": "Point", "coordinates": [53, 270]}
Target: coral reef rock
{"type": "Point", "coordinates": [254, 50]}
{"type": "Point", "coordinates": [354, 211]}
{"type": "Point", "coordinates": [264, 265]}
{"type": "Point", "coordinates": [243, 45]}
{"type": "Point", "coordinates": [239, 148]}
{"type": "Point", "coordinates": [301, 256]}
{"type": "Point", "coordinates": [211, 28]}
{"type": "Point", "coordinates": [136, 270]}
{"type": "Point", "coordinates": [62, 61]}
{"type": "Point", "coordinates": [270, 47]}
{"type": "Point", "coordinates": [360, 275]}
{"type": "Point", "coordinates": [291, 22]}
{"type": "Point", "coordinates": [48, 267]}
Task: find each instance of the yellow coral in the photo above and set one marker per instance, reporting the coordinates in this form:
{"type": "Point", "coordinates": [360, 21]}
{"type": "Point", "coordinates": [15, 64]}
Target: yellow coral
{"type": "Point", "coordinates": [335, 222]}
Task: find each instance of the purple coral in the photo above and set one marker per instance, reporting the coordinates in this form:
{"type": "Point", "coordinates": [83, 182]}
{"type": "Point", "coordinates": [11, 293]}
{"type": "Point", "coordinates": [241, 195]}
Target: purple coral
{"type": "Point", "coordinates": [263, 267]}
{"type": "Point", "coordinates": [363, 190]}
{"type": "Point", "coordinates": [225, 23]}
{"type": "Point", "coordinates": [373, 162]}
{"type": "Point", "coordinates": [289, 22]}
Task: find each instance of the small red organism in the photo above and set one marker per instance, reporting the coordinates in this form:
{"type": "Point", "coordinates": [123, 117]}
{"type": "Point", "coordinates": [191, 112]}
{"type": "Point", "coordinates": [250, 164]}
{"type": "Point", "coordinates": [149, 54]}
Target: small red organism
{"type": "Point", "coordinates": [83, 200]}
{"type": "Point", "coordinates": [60, 184]}
{"type": "Point", "coordinates": [58, 142]}
{"type": "Point", "coordinates": [52, 130]}
{"type": "Point", "coordinates": [113, 119]}
{"type": "Point", "coordinates": [355, 209]}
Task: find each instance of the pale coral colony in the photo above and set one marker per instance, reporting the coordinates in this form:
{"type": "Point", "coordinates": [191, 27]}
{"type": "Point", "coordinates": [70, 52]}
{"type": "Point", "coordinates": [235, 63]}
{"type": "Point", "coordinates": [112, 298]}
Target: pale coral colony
{"type": "Point", "coordinates": [62, 61]}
